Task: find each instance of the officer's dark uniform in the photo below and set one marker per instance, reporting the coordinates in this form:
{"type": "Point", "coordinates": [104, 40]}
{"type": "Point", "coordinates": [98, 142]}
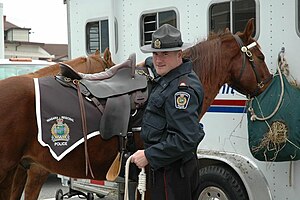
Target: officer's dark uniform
{"type": "Point", "coordinates": [171, 132]}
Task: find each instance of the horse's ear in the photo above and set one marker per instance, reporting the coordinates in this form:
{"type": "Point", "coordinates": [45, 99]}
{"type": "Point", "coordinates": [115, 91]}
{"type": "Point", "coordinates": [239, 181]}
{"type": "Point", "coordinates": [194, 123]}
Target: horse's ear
{"type": "Point", "coordinates": [107, 56]}
{"type": "Point", "coordinates": [226, 30]}
{"type": "Point", "coordinates": [248, 30]}
{"type": "Point", "coordinates": [97, 52]}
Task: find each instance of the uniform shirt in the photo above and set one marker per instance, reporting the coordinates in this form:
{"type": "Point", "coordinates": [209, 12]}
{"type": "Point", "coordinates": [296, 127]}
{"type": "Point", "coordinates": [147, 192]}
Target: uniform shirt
{"type": "Point", "coordinates": [170, 127]}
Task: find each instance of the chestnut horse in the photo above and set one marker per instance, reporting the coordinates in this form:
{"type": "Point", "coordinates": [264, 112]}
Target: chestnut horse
{"type": "Point", "coordinates": [217, 61]}
{"type": "Point", "coordinates": [35, 176]}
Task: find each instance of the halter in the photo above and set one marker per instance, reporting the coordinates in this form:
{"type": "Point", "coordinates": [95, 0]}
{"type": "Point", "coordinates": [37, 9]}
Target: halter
{"type": "Point", "coordinates": [246, 52]}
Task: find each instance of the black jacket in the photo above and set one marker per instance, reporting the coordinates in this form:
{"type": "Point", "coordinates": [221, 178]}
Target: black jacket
{"type": "Point", "coordinates": [170, 127]}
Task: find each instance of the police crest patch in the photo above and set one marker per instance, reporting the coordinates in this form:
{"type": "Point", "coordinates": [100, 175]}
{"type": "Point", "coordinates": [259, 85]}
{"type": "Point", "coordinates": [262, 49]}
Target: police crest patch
{"type": "Point", "coordinates": [60, 132]}
{"type": "Point", "coordinates": [181, 100]}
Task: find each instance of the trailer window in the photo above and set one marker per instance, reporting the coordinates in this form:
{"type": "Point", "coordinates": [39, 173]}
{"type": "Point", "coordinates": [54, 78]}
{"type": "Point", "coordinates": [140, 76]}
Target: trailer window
{"type": "Point", "coordinates": [150, 22]}
{"type": "Point", "coordinates": [97, 36]}
{"type": "Point", "coordinates": [231, 14]}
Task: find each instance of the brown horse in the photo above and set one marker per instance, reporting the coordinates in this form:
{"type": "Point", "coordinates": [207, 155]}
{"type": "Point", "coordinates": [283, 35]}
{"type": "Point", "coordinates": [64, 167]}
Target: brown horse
{"type": "Point", "coordinates": [35, 176]}
{"type": "Point", "coordinates": [217, 61]}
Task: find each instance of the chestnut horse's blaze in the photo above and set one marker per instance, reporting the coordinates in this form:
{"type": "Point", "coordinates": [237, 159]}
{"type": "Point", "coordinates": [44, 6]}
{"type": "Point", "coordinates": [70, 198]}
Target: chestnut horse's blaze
{"type": "Point", "coordinates": [217, 61]}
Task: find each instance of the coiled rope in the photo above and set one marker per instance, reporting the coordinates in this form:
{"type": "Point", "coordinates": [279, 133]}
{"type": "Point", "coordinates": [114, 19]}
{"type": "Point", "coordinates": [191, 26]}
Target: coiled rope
{"type": "Point", "coordinates": [141, 182]}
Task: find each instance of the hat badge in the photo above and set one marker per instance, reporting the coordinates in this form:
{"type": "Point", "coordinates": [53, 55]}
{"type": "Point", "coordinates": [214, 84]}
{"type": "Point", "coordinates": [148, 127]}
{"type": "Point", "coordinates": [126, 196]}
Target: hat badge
{"type": "Point", "coordinates": [157, 44]}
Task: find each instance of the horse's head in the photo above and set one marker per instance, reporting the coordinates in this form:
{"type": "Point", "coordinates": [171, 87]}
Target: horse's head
{"type": "Point", "coordinates": [93, 63]}
{"type": "Point", "coordinates": [232, 59]}
{"type": "Point", "coordinates": [249, 74]}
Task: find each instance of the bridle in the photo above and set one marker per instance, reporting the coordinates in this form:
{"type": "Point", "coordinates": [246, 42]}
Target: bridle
{"type": "Point", "coordinates": [246, 52]}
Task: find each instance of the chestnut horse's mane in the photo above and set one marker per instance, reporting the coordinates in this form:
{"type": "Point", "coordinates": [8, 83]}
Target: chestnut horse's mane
{"type": "Point", "coordinates": [201, 55]}
{"type": "Point", "coordinates": [54, 69]}
{"type": "Point", "coordinates": [208, 61]}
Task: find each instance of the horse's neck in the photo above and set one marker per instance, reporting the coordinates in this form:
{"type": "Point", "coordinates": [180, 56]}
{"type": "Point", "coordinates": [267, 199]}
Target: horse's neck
{"type": "Point", "coordinates": [210, 66]}
{"type": "Point", "coordinates": [210, 92]}
{"type": "Point", "coordinates": [212, 83]}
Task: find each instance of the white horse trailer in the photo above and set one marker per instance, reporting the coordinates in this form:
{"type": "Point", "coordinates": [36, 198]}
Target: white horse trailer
{"type": "Point", "coordinates": [125, 25]}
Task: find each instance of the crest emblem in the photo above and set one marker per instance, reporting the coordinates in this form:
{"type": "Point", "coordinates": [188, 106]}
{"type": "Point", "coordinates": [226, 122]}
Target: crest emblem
{"type": "Point", "coordinates": [181, 100]}
{"type": "Point", "coordinates": [157, 44]}
{"type": "Point", "coordinates": [60, 131]}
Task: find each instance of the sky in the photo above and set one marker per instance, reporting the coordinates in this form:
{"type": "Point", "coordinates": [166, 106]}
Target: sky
{"type": "Point", "coordinates": [46, 18]}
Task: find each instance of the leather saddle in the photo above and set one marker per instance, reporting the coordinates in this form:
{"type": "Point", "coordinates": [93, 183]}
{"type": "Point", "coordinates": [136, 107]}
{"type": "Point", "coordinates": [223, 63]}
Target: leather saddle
{"type": "Point", "coordinates": [120, 87]}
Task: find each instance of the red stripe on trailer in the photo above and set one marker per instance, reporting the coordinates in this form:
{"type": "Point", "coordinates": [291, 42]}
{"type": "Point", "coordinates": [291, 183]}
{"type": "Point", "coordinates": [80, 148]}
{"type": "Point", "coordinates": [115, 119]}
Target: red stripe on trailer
{"type": "Point", "coordinates": [97, 182]}
{"type": "Point", "coordinates": [229, 102]}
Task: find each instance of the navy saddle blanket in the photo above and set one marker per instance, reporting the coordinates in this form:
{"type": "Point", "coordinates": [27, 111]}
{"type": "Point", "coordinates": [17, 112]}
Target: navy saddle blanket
{"type": "Point", "coordinates": [59, 119]}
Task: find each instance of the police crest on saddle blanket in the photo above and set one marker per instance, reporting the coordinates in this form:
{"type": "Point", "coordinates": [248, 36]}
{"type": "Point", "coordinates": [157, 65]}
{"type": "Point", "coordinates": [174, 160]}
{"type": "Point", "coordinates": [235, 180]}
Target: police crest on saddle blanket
{"type": "Point", "coordinates": [60, 131]}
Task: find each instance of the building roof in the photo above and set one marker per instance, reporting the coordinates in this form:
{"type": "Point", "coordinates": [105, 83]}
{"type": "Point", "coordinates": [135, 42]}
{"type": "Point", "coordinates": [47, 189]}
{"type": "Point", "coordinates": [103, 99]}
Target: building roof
{"type": "Point", "coordinates": [56, 49]}
{"type": "Point", "coordinates": [8, 25]}
{"type": "Point", "coordinates": [60, 51]}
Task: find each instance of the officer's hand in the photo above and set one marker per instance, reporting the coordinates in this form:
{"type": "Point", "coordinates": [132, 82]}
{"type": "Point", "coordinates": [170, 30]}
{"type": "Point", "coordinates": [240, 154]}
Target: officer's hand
{"type": "Point", "coordinates": [139, 159]}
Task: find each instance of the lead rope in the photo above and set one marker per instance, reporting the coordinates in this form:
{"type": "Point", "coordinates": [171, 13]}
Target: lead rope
{"type": "Point", "coordinates": [141, 182]}
{"type": "Point", "coordinates": [251, 110]}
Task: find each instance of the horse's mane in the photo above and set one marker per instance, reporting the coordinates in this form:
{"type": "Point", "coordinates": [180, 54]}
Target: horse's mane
{"type": "Point", "coordinates": [206, 56]}
{"type": "Point", "coordinates": [52, 69]}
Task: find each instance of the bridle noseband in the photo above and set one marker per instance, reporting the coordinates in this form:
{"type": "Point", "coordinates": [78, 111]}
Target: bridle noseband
{"type": "Point", "coordinates": [246, 52]}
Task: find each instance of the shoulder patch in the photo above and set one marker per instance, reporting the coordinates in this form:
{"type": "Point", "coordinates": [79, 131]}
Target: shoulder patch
{"type": "Point", "coordinates": [181, 100]}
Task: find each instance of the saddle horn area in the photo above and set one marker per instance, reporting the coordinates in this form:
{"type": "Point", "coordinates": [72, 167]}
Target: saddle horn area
{"type": "Point", "coordinates": [130, 63]}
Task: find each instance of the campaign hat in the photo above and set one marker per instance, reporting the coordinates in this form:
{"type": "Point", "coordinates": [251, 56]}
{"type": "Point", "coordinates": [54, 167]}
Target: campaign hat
{"type": "Point", "coordinates": [165, 38]}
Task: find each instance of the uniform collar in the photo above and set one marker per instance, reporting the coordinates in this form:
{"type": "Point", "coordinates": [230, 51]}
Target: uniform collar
{"type": "Point", "coordinates": [184, 68]}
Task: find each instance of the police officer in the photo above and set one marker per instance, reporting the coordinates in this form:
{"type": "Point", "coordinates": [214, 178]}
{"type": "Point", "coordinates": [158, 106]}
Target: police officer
{"type": "Point", "coordinates": [170, 127]}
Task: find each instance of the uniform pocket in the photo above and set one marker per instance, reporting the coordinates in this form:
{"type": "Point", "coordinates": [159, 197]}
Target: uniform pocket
{"type": "Point", "coordinates": [153, 128]}
{"type": "Point", "coordinates": [154, 122]}
{"type": "Point", "coordinates": [157, 102]}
